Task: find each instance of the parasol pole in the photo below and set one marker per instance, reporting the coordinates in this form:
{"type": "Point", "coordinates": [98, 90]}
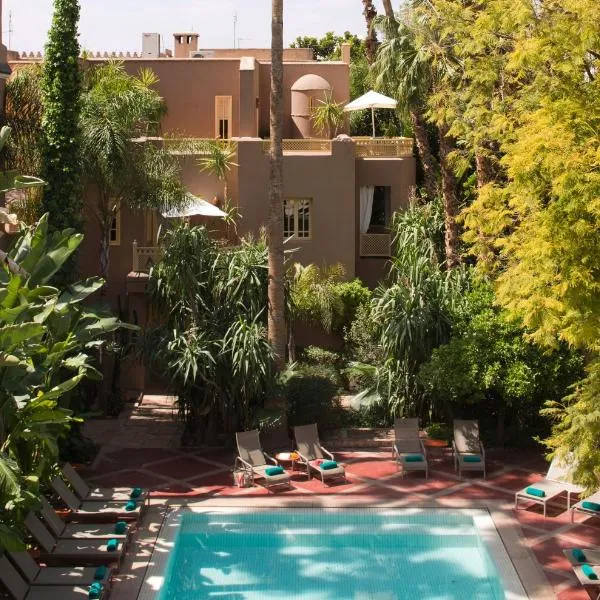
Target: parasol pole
{"type": "Point", "coordinates": [373, 120]}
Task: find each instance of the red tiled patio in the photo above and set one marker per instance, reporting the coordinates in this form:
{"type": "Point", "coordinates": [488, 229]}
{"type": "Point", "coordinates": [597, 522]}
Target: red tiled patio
{"type": "Point", "coordinates": [373, 479]}
{"type": "Point", "coordinates": [177, 476]}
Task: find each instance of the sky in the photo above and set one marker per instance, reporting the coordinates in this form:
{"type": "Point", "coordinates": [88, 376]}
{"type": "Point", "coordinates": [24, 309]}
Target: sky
{"type": "Point", "coordinates": [117, 25]}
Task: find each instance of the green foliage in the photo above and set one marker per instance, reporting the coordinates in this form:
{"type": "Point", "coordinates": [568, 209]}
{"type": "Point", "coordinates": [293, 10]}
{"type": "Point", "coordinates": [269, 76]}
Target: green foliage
{"type": "Point", "coordinates": [118, 109]}
{"type": "Point", "coordinates": [489, 362]}
{"type": "Point", "coordinates": [328, 116]}
{"type": "Point", "coordinates": [329, 47]}
{"type": "Point", "coordinates": [310, 391]}
{"type": "Point", "coordinates": [213, 343]}
{"type": "Point", "coordinates": [47, 341]}
{"type": "Point", "coordinates": [439, 431]}
{"type": "Point", "coordinates": [577, 427]}
{"type": "Point", "coordinates": [61, 95]}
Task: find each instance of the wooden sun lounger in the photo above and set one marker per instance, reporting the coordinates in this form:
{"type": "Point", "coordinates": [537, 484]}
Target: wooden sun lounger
{"type": "Point", "coordinates": [78, 552]}
{"type": "Point", "coordinates": [36, 575]}
{"type": "Point", "coordinates": [408, 443]}
{"type": "Point", "coordinates": [92, 510]}
{"type": "Point", "coordinates": [80, 531]}
{"type": "Point", "coordinates": [86, 493]}
{"type": "Point", "coordinates": [21, 590]}
{"type": "Point", "coordinates": [311, 452]}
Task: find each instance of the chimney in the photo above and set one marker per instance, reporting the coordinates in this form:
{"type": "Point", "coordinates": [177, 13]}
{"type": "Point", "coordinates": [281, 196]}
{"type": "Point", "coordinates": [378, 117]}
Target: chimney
{"type": "Point", "coordinates": [151, 45]}
{"type": "Point", "coordinates": [346, 52]}
{"type": "Point", "coordinates": [185, 44]}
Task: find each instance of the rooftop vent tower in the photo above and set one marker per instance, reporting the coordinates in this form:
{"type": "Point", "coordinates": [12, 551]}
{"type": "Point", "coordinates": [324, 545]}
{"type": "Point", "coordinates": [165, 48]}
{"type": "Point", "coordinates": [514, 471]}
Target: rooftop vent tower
{"type": "Point", "coordinates": [185, 44]}
{"type": "Point", "coordinates": [151, 45]}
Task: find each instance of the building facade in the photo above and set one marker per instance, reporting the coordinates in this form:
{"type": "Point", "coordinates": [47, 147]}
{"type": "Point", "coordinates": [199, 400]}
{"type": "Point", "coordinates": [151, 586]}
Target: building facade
{"type": "Point", "coordinates": [340, 193]}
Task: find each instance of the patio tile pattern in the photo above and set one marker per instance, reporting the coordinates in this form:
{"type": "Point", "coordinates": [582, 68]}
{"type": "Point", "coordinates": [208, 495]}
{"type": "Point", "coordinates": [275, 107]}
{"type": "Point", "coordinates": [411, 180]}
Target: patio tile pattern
{"type": "Point", "coordinates": [372, 478]}
{"type": "Point", "coordinates": [177, 476]}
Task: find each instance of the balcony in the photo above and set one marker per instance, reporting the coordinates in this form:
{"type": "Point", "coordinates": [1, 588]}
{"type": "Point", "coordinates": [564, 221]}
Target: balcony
{"type": "Point", "coordinates": [145, 257]}
{"type": "Point", "coordinates": [302, 146]}
{"type": "Point", "coordinates": [384, 147]}
{"type": "Point", "coordinates": [375, 244]}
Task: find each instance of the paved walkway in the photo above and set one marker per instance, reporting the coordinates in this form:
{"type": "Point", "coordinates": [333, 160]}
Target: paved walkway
{"type": "Point", "coordinates": [176, 476]}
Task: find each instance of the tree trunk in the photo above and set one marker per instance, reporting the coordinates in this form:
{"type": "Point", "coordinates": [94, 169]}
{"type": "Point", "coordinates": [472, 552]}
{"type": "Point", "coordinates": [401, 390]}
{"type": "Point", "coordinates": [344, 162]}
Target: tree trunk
{"type": "Point", "coordinates": [424, 150]}
{"type": "Point", "coordinates": [501, 424]}
{"type": "Point", "coordinates": [370, 12]}
{"type": "Point", "coordinates": [276, 318]}
{"type": "Point", "coordinates": [291, 342]}
{"type": "Point", "coordinates": [484, 167]}
{"type": "Point", "coordinates": [104, 255]}
{"type": "Point", "coordinates": [450, 199]}
{"type": "Point", "coordinates": [389, 11]}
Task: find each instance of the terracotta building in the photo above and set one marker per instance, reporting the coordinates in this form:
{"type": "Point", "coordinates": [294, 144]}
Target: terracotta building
{"type": "Point", "coordinates": [339, 193]}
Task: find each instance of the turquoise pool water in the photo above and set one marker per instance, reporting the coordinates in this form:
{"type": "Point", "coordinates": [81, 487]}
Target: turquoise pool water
{"type": "Point", "coordinates": [321, 555]}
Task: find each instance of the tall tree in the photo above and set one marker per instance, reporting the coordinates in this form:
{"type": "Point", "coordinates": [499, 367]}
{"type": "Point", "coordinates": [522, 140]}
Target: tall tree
{"type": "Point", "coordinates": [370, 13]}
{"type": "Point", "coordinates": [117, 109]}
{"type": "Point", "coordinates": [61, 140]}
{"type": "Point", "coordinates": [276, 321]}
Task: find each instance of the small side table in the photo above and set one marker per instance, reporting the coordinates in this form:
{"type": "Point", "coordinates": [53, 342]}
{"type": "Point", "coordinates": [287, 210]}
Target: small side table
{"type": "Point", "coordinates": [288, 457]}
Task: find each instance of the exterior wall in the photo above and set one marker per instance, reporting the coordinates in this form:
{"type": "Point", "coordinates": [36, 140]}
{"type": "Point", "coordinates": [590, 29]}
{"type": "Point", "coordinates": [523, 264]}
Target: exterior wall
{"type": "Point", "coordinates": [260, 54]}
{"type": "Point", "coordinates": [399, 174]}
{"type": "Point", "coordinates": [327, 179]}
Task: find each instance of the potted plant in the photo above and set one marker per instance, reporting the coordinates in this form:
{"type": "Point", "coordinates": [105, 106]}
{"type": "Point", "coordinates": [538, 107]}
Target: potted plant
{"type": "Point", "coordinates": [438, 435]}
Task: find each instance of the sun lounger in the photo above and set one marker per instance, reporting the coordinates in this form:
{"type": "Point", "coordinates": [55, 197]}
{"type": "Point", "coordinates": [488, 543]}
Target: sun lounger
{"type": "Point", "coordinates": [584, 578]}
{"type": "Point", "coordinates": [409, 450]}
{"type": "Point", "coordinates": [20, 590]}
{"type": "Point", "coordinates": [256, 462]}
{"type": "Point", "coordinates": [550, 487]}
{"type": "Point", "coordinates": [36, 575]}
{"type": "Point", "coordinates": [314, 456]}
{"type": "Point", "coordinates": [578, 507]}
{"type": "Point", "coordinates": [591, 557]}
{"type": "Point", "coordinates": [92, 510]}
{"type": "Point", "coordinates": [85, 492]}
{"type": "Point", "coordinates": [80, 531]}
{"type": "Point", "coordinates": [469, 453]}
{"type": "Point", "coordinates": [79, 552]}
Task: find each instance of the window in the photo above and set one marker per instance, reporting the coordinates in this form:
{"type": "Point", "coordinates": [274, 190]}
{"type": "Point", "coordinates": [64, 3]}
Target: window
{"type": "Point", "coordinates": [115, 226]}
{"type": "Point", "coordinates": [380, 215]}
{"type": "Point", "coordinates": [296, 218]}
{"type": "Point", "coordinates": [223, 117]}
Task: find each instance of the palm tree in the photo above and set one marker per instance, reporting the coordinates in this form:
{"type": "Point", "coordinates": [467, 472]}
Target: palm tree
{"type": "Point", "coordinates": [117, 109]}
{"type": "Point", "coordinates": [276, 319]}
{"type": "Point", "coordinates": [218, 158]}
{"type": "Point", "coordinates": [370, 13]}
{"type": "Point", "coordinates": [416, 65]}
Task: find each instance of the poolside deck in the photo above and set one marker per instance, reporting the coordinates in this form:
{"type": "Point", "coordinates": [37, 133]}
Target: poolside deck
{"type": "Point", "coordinates": [204, 476]}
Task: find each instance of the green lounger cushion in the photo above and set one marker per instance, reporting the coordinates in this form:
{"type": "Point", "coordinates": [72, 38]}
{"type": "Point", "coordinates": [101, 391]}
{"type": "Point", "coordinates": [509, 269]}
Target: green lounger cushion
{"type": "Point", "coordinates": [120, 527]}
{"type": "Point", "coordinates": [472, 459]}
{"type": "Point", "coordinates": [589, 572]}
{"type": "Point", "coordinates": [131, 505]}
{"type": "Point", "coordinates": [591, 506]}
{"type": "Point", "coordinates": [533, 491]}
{"type": "Point", "coordinates": [578, 555]}
{"type": "Point", "coordinates": [100, 572]}
{"type": "Point", "coordinates": [95, 591]}
{"type": "Point", "coordinates": [136, 492]}
{"type": "Point", "coordinates": [112, 545]}
{"type": "Point", "coordinates": [272, 471]}
{"type": "Point", "coordinates": [413, 458]}
{"type": "Point", "coordinates": [328, 464]}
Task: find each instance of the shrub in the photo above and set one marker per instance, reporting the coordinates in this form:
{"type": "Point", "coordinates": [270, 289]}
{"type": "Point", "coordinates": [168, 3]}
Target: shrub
{"type": "Point", "coordinates": [310, 391]}
{"type": "Point", "coordinates": [439, 431]}
{"type": "Point", "coordinates": [316, 355]}
{"type": "Point", "coordinates": [353, 294]}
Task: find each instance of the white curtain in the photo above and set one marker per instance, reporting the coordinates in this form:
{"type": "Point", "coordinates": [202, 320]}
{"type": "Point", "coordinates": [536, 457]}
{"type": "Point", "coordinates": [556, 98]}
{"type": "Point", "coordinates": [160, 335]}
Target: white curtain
{"type": "Point", "coordinates": [366, 206]}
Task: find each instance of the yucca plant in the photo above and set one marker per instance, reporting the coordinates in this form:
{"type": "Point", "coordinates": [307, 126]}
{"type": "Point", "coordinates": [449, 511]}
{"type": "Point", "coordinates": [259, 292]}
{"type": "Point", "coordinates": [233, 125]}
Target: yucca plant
{"type": "Point", "coordinates": [328, 116]}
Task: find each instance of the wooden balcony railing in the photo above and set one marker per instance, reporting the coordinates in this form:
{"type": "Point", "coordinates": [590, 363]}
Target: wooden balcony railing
{"type": "Point", "coordinates": [145, 257]}
{"type": "Point", "coordinates": [301, 145]}
{"type": "Point", "coordinates": [383, 147]}
{"type": "Point", "coordinates": [375, 244]}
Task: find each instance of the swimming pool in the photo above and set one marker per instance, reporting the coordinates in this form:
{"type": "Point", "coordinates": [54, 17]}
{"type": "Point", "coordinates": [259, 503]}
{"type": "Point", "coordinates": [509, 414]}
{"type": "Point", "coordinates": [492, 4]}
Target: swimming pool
{"type": "Point", "coordinates": [345, 554]}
